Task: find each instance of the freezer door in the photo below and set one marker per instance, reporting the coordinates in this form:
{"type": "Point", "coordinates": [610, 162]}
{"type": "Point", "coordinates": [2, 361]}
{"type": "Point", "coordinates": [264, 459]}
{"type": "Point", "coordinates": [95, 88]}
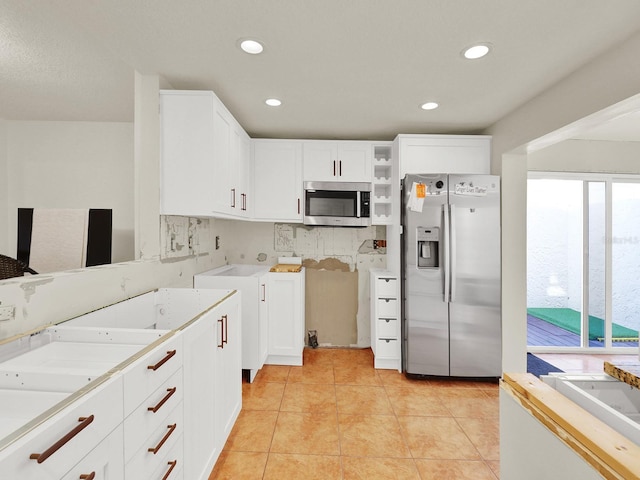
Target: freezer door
{"type": "Point", "coordinates": [425, 309]}
{"type": "Point", "coordinates": [475, 314]}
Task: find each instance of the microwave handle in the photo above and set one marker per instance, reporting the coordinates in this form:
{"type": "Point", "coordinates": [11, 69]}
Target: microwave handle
{"type": "Point", "coordinates": [358, 204]}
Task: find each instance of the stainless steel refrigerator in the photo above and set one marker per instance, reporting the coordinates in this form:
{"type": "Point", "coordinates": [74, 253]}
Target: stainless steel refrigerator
{"type": "Point", "coordinates": [451, 319]}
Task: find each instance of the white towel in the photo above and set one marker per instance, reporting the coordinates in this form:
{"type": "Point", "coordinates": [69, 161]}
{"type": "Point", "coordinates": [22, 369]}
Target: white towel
{"type": "Point", "coordinates": [58, 239]}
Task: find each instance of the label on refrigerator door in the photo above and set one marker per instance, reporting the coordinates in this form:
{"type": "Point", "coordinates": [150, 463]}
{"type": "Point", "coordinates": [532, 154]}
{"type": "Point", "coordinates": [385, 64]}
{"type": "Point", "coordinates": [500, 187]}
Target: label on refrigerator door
{"type": "Point", "coordinates": [416, 197]}
{"type": "Point", "coordinates": [464, 188]}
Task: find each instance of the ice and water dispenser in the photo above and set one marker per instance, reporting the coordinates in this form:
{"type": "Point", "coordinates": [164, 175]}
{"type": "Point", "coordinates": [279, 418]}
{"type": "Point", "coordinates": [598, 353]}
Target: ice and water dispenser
{"type": "Point", "coordinates": [428, 239]}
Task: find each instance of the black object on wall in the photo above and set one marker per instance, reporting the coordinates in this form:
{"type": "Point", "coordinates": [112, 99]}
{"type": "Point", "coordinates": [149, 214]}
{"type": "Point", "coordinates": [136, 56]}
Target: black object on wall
{"type": "Point", "coordinates": [99, 235]}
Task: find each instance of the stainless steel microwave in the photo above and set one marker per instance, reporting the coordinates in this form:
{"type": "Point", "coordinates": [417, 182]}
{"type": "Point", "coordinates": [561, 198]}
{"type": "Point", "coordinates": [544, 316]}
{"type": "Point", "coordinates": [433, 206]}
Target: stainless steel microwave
{"type": "Point", "coordinates": [337, 204]}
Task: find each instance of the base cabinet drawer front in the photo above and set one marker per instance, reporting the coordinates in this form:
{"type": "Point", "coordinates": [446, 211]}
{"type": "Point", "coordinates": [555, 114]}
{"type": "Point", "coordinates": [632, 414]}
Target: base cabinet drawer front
{"type": "Point", "coordinates": [172, 465]}
{"type": "Point", "coordinates": [65, 439]}
{"type": "Point", "coordinates": [387, 287]}
{"type": "Point", "coordinates": [387, 308]}
{"type": "Point", "coordinates": [151, 414]}
{"type": "Point", "coordinates": [154, 450]}
{"type": "Point", "coordinates": [105, 461]}
{"type": "Point", "coordinates": [387, 348]}
{"type": "Point", "coordinates": [387, 328]}
{"type": "Point", "coordinates": [150, 371]}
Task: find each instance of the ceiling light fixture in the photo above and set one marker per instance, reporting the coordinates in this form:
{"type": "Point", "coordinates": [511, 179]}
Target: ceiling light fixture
{"type": "Point", "coordinates": [476, 51]}
{"type": "Point", "coordinates": [252, 47]}
{"type": "Point", "coordinates": [429, 106]}
{"type": "Point", "coordinates": [273, 102]}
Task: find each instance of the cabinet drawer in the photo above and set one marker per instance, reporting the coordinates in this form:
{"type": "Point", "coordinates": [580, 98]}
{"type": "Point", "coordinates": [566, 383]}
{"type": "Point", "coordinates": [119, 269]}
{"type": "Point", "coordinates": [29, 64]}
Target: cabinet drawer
{"type": "Point", "coordinates": [387, 328]}
{"type": "Point", "coordinates": [150, 371]}
{"type": "Point", "coordinates": [387, 348]}
{"type": "Point", "coordinates": [162, 440]}
{"type": "Point", "coordinates": [387, 307]}
{"type": "Point", "coordinates": [142, 421]}
{"type": "Point", "coordinates": [87, 421]}
{"type": "Point", "coordinates": [172, 466]}
{"type": "Point", "coordinates": [386, 287]}
{"type": "Point", "coordinates": [105, 461]}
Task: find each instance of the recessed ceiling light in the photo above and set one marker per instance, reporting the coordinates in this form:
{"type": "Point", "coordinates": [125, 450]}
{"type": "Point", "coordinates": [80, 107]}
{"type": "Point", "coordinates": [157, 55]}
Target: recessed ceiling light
{"type": "Point", "coordinates": [476, 51]}
{"type": "Point", "coordinates": [251, 46]}
{"type": "Point", "coordinates": [429, 106]}
{"type": "Point", "coordinates": [273, 102]}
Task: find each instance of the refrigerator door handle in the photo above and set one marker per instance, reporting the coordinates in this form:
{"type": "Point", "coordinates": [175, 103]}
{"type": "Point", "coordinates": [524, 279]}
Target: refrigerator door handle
{"type": "Point", "coordinates": [445, 264]}
{"type": "Point", "coordinates": [452, 273]}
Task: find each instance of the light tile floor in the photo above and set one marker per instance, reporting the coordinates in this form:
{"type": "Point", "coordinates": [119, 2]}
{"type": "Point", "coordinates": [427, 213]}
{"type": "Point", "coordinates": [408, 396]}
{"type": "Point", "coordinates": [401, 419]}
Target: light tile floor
{"type": "Point", "coordinates": [337, 417]}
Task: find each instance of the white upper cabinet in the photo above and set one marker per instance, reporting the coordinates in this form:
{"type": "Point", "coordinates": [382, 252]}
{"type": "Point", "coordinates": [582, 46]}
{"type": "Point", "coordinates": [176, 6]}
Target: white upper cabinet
{"type": "Point", "coordinates": [337, 161]}
{"type": "Point", "coordinates": [277, 180]}
{"type": "Point", "coordinates": [204, 154]}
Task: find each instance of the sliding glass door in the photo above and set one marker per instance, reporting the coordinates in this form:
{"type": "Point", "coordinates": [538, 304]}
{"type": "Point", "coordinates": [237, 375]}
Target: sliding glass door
{"type": "Point", "coordinates": [583, 261]}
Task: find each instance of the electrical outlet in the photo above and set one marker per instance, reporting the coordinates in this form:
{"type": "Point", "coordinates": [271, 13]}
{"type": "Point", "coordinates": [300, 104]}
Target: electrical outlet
{"type": "Point", "coordinates": [7, 313]}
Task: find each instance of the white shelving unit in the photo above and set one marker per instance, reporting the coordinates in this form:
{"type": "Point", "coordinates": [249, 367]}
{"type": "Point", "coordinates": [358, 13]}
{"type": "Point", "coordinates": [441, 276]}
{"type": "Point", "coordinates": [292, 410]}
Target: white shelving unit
{"type": "Point", "coordinates": [381, 198]}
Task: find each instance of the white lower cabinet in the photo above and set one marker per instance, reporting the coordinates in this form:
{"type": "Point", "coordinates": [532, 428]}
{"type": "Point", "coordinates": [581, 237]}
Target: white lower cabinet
{"type": "Point", "coordinates": [105, 461]}
{"type": "Point", "coordinates": [285, 304]}
{"type": "Point", "coordinates": [385, 320]}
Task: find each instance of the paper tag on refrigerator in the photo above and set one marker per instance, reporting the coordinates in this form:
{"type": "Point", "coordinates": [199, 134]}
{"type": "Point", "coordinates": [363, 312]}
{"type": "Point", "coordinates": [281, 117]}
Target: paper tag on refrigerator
{"type": "Point", "coordinates": [415, 201]}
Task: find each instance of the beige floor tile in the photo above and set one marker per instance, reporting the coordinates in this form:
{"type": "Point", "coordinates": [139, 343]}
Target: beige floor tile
{"type": "Point", "coordinates": [413, 401]}
{"type": "Point", "coordinates": [395, 378]}
{"type": "Point", "coordinates": [309, 397]}
{"type": "Point", "coordinates": [350, 357]}
{"type": "Point", "coordinates": [465, 402]}
{"type": "Point", "coordinates": [319, 374]}
{"type": "Point", "coordinates": [253, 431]}
{"type": "Point", "coordinates": [262, 395]}
{"type": "Point", "coordinates": [484, 434]}
{"type": "Point", "coordinates": [454, 470]}
{"type": "Point", "coordinates": [235, 465]}
{"type": "Point", "coordinates": [371, 436]}
{"type": "Point", "coordinates": [494, 465]}
{"type": "Point", "coordinates": [369, 468]}
{"type": "Point", "coordinates": [355, 375]}
{"type": "Point", "coordinates": [306, 433]}
{"type": "Point", "coordinates": [318, 356]}
{"type": "Point", "coordinates": [272, 373]}
{"type": "Point", "coordinates": [362, 400]}
{"type": "Point", "coordinates": [437, 437]}
{"type": "Point", "coordinates": [308, 467]}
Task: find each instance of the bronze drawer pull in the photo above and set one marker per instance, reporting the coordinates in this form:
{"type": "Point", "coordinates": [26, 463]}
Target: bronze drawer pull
{"type": "Point", "coordinates": [221, 322]}
{"type": "Point", "coordinates": [170, 354]}
{"type": "Point", "coordinates": [41, 457]}
{"type": "Point", "coordinates": [173, 465]}
{"type": "Point", "coordinates": [164, 439]}
{"type": "Point", "coordinates": [88, 476]}
{"type": "Point", "coordinates": [162, 402]}
{"type": "Point", "coordinates": [225, 338]}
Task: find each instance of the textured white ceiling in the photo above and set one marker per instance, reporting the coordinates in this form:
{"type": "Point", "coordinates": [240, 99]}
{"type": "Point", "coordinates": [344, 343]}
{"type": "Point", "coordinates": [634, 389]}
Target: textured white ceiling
{"type": "Point", "coordinates": [343, 68]}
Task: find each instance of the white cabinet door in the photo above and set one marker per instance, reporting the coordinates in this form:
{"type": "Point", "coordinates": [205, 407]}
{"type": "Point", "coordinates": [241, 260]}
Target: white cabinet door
{"type": "Point", "coordinates": [245, 197]}
{"type": "Point", "coordinates": [285, 303]}
{"type": "Point", "coordinates": [187, 167]}
{"type": "Point", "coordinates": [277, 180]}
{"type": "Point", "coordinates": [263, 319]}
{"type": "Point", "coordinates": [337, 161]}
{"type": "Point", "coordinates": [224, 194]}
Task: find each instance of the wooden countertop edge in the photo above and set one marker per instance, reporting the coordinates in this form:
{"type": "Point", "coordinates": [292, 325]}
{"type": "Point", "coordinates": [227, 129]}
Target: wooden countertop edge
{"type": "Point", "coordinates": [613, 455]}
{"type": "Point", "coordinates": [627, 373]}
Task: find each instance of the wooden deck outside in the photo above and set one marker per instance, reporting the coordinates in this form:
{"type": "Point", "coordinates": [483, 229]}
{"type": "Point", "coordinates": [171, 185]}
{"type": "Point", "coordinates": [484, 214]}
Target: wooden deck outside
{"type": "Point", "coordinates": [541, 333]}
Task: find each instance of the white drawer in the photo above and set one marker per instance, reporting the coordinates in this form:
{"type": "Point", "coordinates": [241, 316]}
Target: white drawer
{"type": "Point", "coordinates": [101, 411]}
{"type": "Point", "coordinates": [387, 328]}
{"type": "Point", "coordinates": [172, 465]}
{"type": "Point", "coordinates": [105, 461]}
{"type": "Point", "coordinates": [146, 374]}
{"type": "Point", "coordinates": [142, 421]}
{"type": "Point", "coordinates": [386, 287]}
{"type": "Point", "coordinates": [387, 348]}
{"type": "Point", "coordinates": [161, 441]}
{"type": "Point", "coordinates": [387, 308]}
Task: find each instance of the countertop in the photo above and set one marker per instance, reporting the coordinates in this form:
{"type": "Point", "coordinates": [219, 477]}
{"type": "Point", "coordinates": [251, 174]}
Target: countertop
{"type": "Point", "coordinates": [628, 372]}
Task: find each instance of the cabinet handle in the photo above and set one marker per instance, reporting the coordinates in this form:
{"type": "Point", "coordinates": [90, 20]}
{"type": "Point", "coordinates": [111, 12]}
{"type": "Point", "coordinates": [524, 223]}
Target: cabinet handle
{"type": "Point", "coordinates": [264, 293]}
{"type": "Point", "coordinates": [243, 196]}
{"type": "Point", "coordinates": [221, 322]}
{"type": "Point", "coordinates": [340, 170]}
{"type": "Point", "coordinates": [88, 476]}
{"type": "Point", "coordinates": [163, 401]}
{"type": "Point", "coordinates": [173, 465]}
{"type": "Point", "coordinates": [334, 168]}
{"type": "Point", "coordinates": [225, 334]}
{"type": "Point", "coordinates": [157, 448]}
{"type": "Point", "coordinates": [233, 198]}
{"type": "Point", "coordinates": [170, 354]}
{"type": "Point", "coordinates": [41, 457]}
{"type": "Point", "coordinates": [298, 206]}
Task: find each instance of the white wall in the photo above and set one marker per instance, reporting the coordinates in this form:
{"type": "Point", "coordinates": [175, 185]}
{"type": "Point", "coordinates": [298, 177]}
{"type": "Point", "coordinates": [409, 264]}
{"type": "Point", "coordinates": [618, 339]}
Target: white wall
{"type": "Point", "coordinates": [71, 165]}
{"type": "Point", "coordinates": [609, 79]}
{"type": "Point", "coordinates": [4, 192]}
